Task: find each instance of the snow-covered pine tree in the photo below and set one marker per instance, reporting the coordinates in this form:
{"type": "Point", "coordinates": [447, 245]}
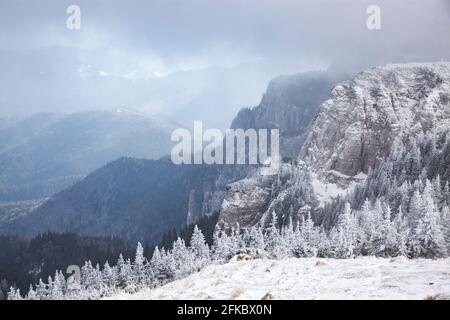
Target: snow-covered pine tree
{"type": "Point", "coordinates": [345, 236]}
{"type": "Point", "coordinates": [438, 193]}
{"type": "Point", "coordinates": [310, 235]}
{"type": "Point", "coordinates": [125, 274]}
{"type": "Point", "coordinates": [284, 248]}
{"type": "Point", "coordinates": [445, 222]}
{"type": "Point", "coordinates": [110, 277]}
{"type": "Point", "coordinates": [413, 160]}
{"type": "Point", "coordinates": [273, 239]}
{"type": "Point", "coordinates": [391, 237]}
{"type": "Point", "coordinates": [403, 232]}
{"type": "Point", "coordinates": [254, 241]}
{"type": "Point", "coordinates": [377, 237]}
{"type": "Point", "coordinates": [183, 259]}
{"type": "Point", "coordinates": [235, 240]}
{"type": "Point", "coordinates": [14, 294]}
{"type": "Point", "coordinates": [139, 275]}
{"type": "Point", "coordinates": [31, 295]}
{"type": "Point", "coordinates": [41, 291]}
{"type": "Point", "coordinates": [429, 236]}
{"type": "Point", "coordinates": [160, 270]}
{"type": "Point", "coordinates": [415, 209]}
{"type": "Point", "coordinates": [446, 193]}
{"type": "Point", "coordinates": [221, 250]}
{"type": "Point", "coordinates": [57, 288]}
{"type": "Point", "coordinates": [365, 217]}
{"type": "Point", "coordinates": [199, 249]}
{"type": "Point", "coordinates": [49, 287]}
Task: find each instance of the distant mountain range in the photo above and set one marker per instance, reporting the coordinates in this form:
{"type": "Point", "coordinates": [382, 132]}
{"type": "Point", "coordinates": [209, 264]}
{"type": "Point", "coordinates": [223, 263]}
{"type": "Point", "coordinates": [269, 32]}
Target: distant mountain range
{"type": "Point", "coordinates": [43, 154]}
{"type": "Point", "coordinates": [75, 80]}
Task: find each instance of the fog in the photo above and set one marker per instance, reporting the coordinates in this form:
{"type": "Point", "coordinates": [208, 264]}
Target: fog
{"type": "Point", "coordinates": [176, 57]}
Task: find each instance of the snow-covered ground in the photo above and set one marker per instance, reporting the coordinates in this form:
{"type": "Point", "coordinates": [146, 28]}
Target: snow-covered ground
{"type": "Point", "coordinates": [311, 278]}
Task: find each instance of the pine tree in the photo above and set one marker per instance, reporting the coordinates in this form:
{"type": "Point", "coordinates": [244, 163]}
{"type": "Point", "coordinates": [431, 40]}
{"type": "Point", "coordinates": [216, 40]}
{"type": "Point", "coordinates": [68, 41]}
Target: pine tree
{"type": "Point", "coordinates": [125, 274]}
{"type": "Point", "coordinates": [222, 250]}
{"type": "Point", "coordinates": [41, 291]}
{"type": "Point", "coordinates": [299, 246]}
{"type": "Point", "coordinates": [429, 236]}
{"type": "Point", "coordinates": [49, 287]}
{"type": "Point", "coordinates": [365, 221]}
{"type": "Point", "coordinates": [253, 241]}
{"type": "Point", "coordinates": [391, 236]}
{"type": "Point", "coordinates": [345, 235]}
{"type": "Point", "coordinates": [160, 270]}
{"type": "Point", "coordinates": [121, 272]}
{"type": "Point", "coordinates": [57, 288]}
{"type": "Point", "coordinates": [377, 236]}
{"type": "Point", "coordinates": [446, 193]}
{"type": "Point", "coordinates": [438, 193]}
{"type": "Point", "coordinates": [273, 239]}
{"type": "Point", "coordinates": [183, 259]}
{"type": "Point", "coordinates": [31, 294]}
{"type": "Point", "coordinates": [257, 242]}
{"type": "Point", "coordinates": [199, 249]}
{"type": "Point", "coordinates": [445, 223]}
{"type": "Point", "coordinates": [14, 294]}
{"type": "Point", "coordinates": [310, 235]}
{"type": "Point", "coordinates": [110, 277]}
{"type": "Point", "coordinates": [139, 276]}
{"type": "Point", "coordinates": [402, 229]}
{"type": "Point", "coordinates": [415, 209]}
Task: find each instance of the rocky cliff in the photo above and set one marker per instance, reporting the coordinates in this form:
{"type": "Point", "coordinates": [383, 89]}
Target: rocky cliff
{"type": "Point", "coordinates": [354, 130]}
{"type": "Point", "coordinates": [290, 104]}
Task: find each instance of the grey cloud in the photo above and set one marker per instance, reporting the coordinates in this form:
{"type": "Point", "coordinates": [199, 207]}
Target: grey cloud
{"type": "Point", "coordinates": [284, 36]}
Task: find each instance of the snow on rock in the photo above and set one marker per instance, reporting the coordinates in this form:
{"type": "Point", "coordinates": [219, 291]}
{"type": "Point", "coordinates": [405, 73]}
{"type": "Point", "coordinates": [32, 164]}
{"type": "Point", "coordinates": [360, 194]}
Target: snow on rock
{"type": "Point", "coordinates": [311, 278]}
{"type": "Point", "coordinates": [246, 200]}
{"type": "Point", "coordinates": [356, 128]}
{"type": "Point", "coordinates": [325, 190]}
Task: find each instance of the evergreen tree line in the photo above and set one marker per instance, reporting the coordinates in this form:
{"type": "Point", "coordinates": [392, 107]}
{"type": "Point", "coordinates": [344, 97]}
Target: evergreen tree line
{"type": "Point", "coordinates": [24, 261]}
{"type": "Point", "coordinates": [369, 231]}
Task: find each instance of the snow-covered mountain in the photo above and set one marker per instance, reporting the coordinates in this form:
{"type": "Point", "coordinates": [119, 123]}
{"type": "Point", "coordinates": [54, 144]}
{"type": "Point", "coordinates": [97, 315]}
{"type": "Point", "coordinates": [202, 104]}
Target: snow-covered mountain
{"type": "Point", "coordinates": [355, 130]}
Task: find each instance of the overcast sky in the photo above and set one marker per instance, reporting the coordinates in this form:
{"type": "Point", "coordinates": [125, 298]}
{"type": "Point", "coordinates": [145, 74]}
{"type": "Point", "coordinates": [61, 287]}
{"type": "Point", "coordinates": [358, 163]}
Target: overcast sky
{"type": "Point", "coordinates": [169, 35]}
{"type": "Point", "coordinates": [159, 37]}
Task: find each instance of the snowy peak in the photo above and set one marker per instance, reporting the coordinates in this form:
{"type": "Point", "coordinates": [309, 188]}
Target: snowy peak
{"type": "Point", "coordinates": [356, 128]}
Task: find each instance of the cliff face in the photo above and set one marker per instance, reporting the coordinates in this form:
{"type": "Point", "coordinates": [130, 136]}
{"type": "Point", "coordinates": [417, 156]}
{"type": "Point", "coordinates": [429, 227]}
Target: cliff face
{"type": "Point", "coordinates": [356, 127]}
{"type": "Point", "coordinates": [354, 130]}
{"type": "Point", "coordinates": [290, 104]}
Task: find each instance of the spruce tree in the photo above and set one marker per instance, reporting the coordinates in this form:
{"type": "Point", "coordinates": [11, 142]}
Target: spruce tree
{"type": "Point", "coordinates": [429, 235]}
{"type": "Point", "coordinates": [199, 249]}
